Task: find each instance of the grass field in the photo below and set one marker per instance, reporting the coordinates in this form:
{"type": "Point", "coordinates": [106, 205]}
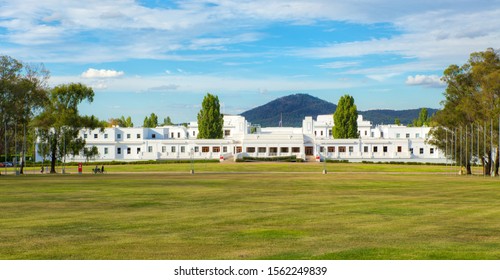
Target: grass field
{"type": "Point", "coordinates": [353, 212]}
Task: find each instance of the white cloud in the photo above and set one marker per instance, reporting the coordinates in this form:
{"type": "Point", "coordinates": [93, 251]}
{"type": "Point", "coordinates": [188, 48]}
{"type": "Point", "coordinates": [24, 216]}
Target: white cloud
{"type": "Point", "coordinates": [164, 87]}
{"type": "Point", "coordinates": [92, 73]}
{"type": "Point", "coordinates": [425, 80]}
{"type": "Point", "coordinates": [339, 64]}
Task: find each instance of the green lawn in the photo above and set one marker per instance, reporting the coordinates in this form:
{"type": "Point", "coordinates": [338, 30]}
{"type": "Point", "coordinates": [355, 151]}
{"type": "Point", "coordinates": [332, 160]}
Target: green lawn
{"type": "Point", "coordinates": [301, 215]}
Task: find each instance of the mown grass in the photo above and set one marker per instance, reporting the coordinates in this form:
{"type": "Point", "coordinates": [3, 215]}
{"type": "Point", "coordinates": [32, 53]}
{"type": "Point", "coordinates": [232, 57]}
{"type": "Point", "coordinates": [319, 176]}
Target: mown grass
{"type": "Point", "coordinates": [263, 167]}
{"type": "Point", "coordinates": [356, 215]}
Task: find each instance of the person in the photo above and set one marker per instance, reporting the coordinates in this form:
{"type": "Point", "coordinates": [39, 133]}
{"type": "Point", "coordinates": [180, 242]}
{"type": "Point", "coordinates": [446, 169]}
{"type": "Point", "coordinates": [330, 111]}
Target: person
{"type": "Point", "coordinates": [102, 169]}
{"type": "Point", "coordinates": [41, 170]}
{"type": "Point", "coordinates": [96, 169]}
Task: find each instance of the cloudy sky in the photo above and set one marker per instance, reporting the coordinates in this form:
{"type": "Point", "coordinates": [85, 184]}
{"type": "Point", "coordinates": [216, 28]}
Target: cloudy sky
{"type": "Point", "coordinates": [164, 56]}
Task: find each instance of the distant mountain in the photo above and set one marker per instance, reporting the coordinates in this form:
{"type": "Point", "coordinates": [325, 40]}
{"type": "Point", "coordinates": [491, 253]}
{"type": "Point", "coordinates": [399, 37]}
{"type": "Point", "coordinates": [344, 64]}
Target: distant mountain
{"type": "Point", "coordinates": [297, 106]}
{"type": "Point", "coordinates": [293, 108]}
{"type": "Point", "coordinates": [388, 116]}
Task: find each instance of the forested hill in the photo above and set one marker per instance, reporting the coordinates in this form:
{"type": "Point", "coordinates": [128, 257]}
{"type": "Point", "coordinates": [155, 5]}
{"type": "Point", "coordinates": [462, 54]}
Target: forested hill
{"type": "Point", "coordinates": [297, 106]}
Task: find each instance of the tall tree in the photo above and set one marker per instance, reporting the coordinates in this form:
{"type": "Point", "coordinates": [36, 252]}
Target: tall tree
{"type": "Point", "coordinates": [167, 121]}
{"type": "Point", "coordinates": [471, 107]}
{"type": "Point", "coordinates": [60, 122]}
{"type": "Point", "coordinates": [210, 120]}
{"type": "Point", "coordinates": [152, 121]}
{"type": "Point", "coordinates": [345, 119]}
{"type": "Point", "coordinates": [23, 90]}
{"type": "Point", "coordinates": [423, 118]}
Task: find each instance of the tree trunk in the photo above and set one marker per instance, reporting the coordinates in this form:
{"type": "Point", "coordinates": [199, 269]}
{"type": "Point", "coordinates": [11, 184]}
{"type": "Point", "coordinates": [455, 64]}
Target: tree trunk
{"type": "Point", "coordinates": [53, 155]}
{"type": "Point", "coordinates": [469, 171]}
{"type": "Point", "coordinates": [497, 163]}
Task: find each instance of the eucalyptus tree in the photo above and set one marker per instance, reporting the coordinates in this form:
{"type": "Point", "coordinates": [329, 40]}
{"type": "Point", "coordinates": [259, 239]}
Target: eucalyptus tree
{"type": "Point", "coordinates": [61, 122]}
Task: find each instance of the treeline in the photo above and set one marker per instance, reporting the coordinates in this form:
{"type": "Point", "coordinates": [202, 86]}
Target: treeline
{"type": "Point", "coordinates": [467, 128]}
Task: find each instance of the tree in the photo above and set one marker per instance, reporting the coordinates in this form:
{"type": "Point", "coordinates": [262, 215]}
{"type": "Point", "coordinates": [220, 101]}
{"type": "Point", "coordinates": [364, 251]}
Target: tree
{"type": "Point", "coordinates": [423, 118]}
{"type": "Point", "coordinates": [210, 120]}
{"type": "Point", "coordinates": [23, 91]}
{"type": "Point", "coordinates": [397, 121]}
{"type": "Point", "coordinates": [345, 119]}
{"type": "Point", "coordinates": [60, 122]}
{"type": "Point", "coordinates": [471, 108]}
{"type": "Point", "coordinates": [167, 121]}
{"type": "Point", "coordinates": [152, 121]}
{"type": "Point", "coordinates": [90, 153]}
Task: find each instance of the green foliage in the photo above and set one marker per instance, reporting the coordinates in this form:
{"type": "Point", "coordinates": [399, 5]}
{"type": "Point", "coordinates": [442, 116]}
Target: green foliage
{"type": "Point", "coordinates": [152, 121]}
{"type": "Point", "coordinates": [471, 106]}
{"type": "Point", "coordinates": [397, 121]}
{"type": "Point", "coordinates": [210, 120]}
{"type": "Point", "coordinates": [59, 123]}
{"type": "Point", "coordinates": [278, 159]}
{"type": "Point", "coordinates": [345, 119]}
{"type": "Point", "coordinates": [422, 120]}
{"type": "Point", "coordinates": [167, 121]}
{"type": "Point", "coordinates": [90, 153]}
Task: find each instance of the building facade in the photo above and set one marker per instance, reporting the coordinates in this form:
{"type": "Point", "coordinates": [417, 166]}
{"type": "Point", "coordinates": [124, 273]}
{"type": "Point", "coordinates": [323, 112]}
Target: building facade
{"type": "Point", "coordinates": [312, 141]}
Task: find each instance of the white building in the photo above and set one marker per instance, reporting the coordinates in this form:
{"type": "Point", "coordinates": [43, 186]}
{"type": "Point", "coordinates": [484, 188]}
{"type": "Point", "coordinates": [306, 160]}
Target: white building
{"type": "Point", "coordinates": [311, 141]}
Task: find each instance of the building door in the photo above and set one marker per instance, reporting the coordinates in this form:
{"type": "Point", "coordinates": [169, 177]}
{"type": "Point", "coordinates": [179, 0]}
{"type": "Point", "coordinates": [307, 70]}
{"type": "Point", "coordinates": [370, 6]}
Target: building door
{"type": "Point", "coordinates": [238, 149]}
{"type": "Point", "coordinates": [309, 151]}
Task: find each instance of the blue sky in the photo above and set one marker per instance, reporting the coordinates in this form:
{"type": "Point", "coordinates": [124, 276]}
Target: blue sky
{"type": "Point", "coordinates": [164, 56]}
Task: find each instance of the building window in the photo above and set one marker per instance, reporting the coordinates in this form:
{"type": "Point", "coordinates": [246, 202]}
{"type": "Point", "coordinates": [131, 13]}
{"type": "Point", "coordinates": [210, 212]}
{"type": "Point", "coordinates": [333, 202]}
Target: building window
{"type": "Point", "coordinates": [284, 149]}
{"type": "Point", "coordinates": [105, 136]}
{"type": "Point", "coordinates": [315, 132]}
{"type": "Point", "coordinates": [330, 132]}
{"type": "Point", "coordinates": [381, 134]}
{"type": "Point", "coordinates": [196, 149]}
{"type": "Point", "coordinates": [238, 149]}
{"type": "Point", "coordinates": [105, 151]}
{"type": "Point", "coordinates": [171, 135]}
{"type": "Point", "coordinates": [411, 151]}
{"type": "Point", "coordinates": [322, 133]}
{"type": "Point", "coordinates": [128, 135]}
{"type": "Point", "coordinates": [331, 149]}
{"type": "Point", "coordinates": [183, 149]}
{"type": "Point", "coordinates": [400, 149]}
{"type": "Point", "coordinates": [375, 149]}
{"type": "Point", "coordinates": [153, 136]}
{"type": "Point", "coordinates": [372, 134]}
{"type": "Point", "coordinates": [150, 149]}
{"type": "Point", "coordinates": [205, 149]}
{"type": "Point", "coordinates": [172, 149]}
{"type": "Point", "coordinates": [407, 135]}
{"type": "Point", "coordinates": [227, 132]}
{"type": "Point", "coordinates": [194, 132]}
{"type": "Point", "coordinates": [138, 150]}
{"type": "Point", "coordinates": [365, 149]}
{"type": "Point", "coordinates": [163, 149]}
{"type": "Point", "coordinates": [118, 136]}
{"type": "Point", "coordinates": [417, 135]}
{"type": "Point", "coordinates": [321, 149]}
{"type": "Point", "coordinates": [351, 149]}
{"type": "Point", "coordinates": [178, 135]}
{"type": "Point", "coordinates": [224, 149]}
{"type": "Point", "coordinates": [295, 149]}
{"type": "Point", "coordinates": [366, 132]}
{"type": "Point", "coordinates": [262, 149]}
{"type": "Point", "coordinates": [128, 151]}
{"type": "Point", "coordinates": [119, 151]}
{"type": "Point", "coordinates": [138, 136]}
{"type": "Point", "coordinates": [95, 136]}
{"type": "Point", "coordinates": [398, 135]}
{"type": "Point", "coordinates": [217, 149]}
{"type": "Point", "coordinates": [342, 149]}
{"type": "Point", "coordinates": [432, 151]}
{"type": "Point", "coordinates": [85, 136]}
{"type": "Point", "coordinates": [384, 149]}
{"type": "Point", "coordinates": [250, 149]}
{"type": "Point", "coordinates": [421, 151]}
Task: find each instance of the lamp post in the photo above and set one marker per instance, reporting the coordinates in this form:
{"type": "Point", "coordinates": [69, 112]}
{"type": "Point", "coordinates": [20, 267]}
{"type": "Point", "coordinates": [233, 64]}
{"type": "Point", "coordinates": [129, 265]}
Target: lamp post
{"type": "Point", "coordinates": [324, 160]}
